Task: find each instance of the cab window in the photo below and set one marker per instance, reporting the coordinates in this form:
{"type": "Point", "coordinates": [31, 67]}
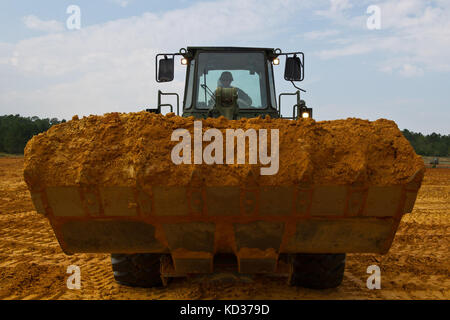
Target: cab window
{"type": "Point", "coordinates": [244, 71]}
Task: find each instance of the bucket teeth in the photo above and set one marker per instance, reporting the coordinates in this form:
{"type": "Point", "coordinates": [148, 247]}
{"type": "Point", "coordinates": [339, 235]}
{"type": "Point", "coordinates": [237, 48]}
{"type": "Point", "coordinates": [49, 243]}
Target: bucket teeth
{"type": "Point", "coordinates": [250, 178]}
{"type": "Point", "coordinates": [196, 178]}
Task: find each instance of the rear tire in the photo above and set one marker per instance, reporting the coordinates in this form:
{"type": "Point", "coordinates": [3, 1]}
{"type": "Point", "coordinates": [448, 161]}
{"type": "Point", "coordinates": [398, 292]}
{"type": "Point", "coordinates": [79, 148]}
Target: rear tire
{"type": "Point", "coordinates": [317, 271]}
{"type": "Point", "coordinates": [137, 270]}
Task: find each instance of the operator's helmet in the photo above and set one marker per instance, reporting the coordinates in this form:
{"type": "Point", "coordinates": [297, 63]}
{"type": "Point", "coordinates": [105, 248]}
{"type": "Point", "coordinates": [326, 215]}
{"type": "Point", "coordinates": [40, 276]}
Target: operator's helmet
{"type": "Point", "coordinates": [225, 79]}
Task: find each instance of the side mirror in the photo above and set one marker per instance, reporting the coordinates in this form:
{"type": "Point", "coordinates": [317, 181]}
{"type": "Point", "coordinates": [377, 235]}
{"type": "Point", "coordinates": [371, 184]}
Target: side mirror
{"type": "Point", "coordinates": [294, 69]}
{"type": "Point", "coordinates": [166, 70]}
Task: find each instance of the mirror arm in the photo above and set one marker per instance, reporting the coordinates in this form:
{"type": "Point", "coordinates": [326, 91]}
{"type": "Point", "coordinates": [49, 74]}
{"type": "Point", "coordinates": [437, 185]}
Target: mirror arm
{"type": "Point", "coordinates": [297, 87]}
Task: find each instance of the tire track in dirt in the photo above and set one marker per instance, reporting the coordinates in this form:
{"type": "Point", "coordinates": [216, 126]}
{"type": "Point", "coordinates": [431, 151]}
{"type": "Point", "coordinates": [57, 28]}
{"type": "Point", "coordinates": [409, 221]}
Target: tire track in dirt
{"type": "Point", "coordinates": [32, 265]}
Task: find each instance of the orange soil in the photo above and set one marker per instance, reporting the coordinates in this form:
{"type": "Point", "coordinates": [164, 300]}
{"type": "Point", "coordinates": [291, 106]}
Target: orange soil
{"type": "Point", "coordinates": [32, 265]}
{"type": "Point", "coordinates": [135, 149]}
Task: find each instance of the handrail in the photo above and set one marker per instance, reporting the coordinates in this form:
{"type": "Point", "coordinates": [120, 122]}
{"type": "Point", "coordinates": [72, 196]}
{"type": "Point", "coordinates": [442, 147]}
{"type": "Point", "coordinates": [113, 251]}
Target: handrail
{"type": "Point", "coordinates": [297, 93]}
{"type": "Point", "coordinates": [160, 93]}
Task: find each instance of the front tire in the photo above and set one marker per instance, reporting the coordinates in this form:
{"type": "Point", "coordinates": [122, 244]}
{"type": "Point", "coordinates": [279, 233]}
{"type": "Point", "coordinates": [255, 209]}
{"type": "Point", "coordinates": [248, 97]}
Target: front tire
{"type": "Point", "coordinates": [317, 271]}
{"type": "Point", "coordinates": [137, 270]}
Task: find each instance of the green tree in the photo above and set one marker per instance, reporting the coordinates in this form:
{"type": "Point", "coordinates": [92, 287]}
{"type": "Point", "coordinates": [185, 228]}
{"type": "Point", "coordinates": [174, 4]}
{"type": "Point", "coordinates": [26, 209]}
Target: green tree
{"type": "Point", "coordinates": [15, 131]}
{"type": "Point", "coordinates": [430, 145]}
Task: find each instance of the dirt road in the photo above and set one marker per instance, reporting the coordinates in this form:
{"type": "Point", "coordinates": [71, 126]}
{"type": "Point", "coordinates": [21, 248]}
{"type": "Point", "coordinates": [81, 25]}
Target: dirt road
{"type": "Point", "coordinates": [32, 266]}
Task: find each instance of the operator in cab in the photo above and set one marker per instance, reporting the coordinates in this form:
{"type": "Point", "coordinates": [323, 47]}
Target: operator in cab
{"type": "Point", "coordinates": [225, 82]}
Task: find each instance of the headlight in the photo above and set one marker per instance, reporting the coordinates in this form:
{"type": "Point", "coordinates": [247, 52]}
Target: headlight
{"type": "Point", "coordinates": [305, 115]}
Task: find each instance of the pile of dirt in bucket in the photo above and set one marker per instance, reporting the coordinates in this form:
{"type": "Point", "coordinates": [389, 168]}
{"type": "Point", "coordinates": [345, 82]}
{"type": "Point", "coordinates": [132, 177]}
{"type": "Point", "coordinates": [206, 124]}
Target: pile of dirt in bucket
{"type": "Point", "coordinates": [119, 149]}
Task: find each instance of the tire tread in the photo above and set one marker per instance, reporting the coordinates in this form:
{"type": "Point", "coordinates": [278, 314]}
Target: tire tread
{"type": "Point", "coordinates": [137, 270]}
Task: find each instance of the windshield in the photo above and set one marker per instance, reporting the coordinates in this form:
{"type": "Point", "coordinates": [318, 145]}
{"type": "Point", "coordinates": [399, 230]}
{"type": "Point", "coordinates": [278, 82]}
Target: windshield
{"type": "Point", "coordinates": [244, 71]}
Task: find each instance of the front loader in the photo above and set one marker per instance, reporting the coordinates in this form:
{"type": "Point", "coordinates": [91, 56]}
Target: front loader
{"type": "Point", "coordinates": [110, 184]}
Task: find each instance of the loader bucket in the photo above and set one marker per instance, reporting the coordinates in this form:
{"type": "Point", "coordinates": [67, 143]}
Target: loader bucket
{"type": "Point", "coordinates": [109, 184]}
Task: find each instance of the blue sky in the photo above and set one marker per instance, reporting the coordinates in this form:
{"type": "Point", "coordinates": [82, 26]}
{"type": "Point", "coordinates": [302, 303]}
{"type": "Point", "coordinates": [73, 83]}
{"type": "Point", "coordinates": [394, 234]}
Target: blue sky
{"type": "Point", "coordinates": [399, 72]}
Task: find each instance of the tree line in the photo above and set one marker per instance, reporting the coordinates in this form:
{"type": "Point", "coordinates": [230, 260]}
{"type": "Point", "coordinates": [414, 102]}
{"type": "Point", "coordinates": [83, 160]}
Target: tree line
{"type": "Point", "coordinates": [15, 131]}
{"type": "Point", "coordinates": [434, 144]}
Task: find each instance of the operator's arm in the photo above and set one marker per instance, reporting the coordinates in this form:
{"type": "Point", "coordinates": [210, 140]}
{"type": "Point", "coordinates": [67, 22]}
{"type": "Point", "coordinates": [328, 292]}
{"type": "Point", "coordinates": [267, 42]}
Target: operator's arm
{"type": "Point", "coordinates": [242, 95]}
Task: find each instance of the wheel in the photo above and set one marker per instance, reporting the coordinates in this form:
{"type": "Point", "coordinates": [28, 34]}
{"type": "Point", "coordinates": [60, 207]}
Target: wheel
{"type": "Point", "coordinates": [317, 271]}
{"type": "Point", "coordinates": [137, 270]}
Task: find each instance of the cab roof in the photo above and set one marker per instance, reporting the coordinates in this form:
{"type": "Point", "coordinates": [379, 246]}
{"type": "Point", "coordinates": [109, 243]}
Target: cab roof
{"type": "Point", "coordinates": [193, 50]}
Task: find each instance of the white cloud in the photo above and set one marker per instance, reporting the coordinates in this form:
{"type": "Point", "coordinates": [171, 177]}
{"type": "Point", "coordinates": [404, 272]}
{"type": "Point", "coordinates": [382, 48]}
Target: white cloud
{"type": "Point", "coordinates": [5, 51]}
{"type": "Point", "coordinates": [339, 11]}
{"type": "Point", "coordinates": [110, 67]}
{"type": "Point", "coordinates": [318, 35]}
{"type": "Point", "coordinates": [336, 8]}
{"type": "Point", "coordinates": [408, 70]}
{"type": "Point", "coordinates": [407, 67]}
{"type": "Point", "coordinates": [350, 50]}
{"type": "Point", "coordinates": [414, 33]}
{"type": "Point", "coordinates": [34, 23]}
{"type": "Point", "coordinates": [122, 3]}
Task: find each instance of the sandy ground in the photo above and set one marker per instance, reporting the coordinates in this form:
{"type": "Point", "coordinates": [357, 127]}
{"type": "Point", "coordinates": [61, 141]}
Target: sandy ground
{"type": "Point", "coordinates": [32, 266]}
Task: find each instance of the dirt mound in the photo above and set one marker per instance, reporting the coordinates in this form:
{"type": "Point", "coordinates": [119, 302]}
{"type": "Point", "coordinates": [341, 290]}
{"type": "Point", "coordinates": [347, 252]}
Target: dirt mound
{"type": "Point", "coordinates": [416, 266]}
{"type": "Point", "coordinates": [135, 148]}
{"type": "Point", "coordinates": [32, 279]}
